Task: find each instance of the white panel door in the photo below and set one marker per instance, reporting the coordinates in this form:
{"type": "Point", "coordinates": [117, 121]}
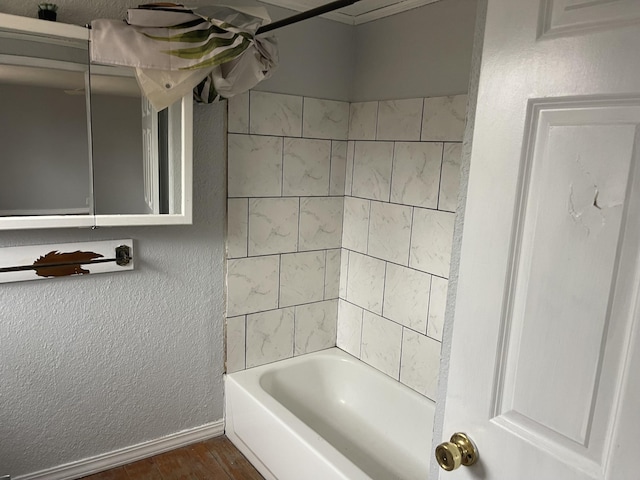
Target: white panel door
{"type": "Point", "coordinates": [546, 345]}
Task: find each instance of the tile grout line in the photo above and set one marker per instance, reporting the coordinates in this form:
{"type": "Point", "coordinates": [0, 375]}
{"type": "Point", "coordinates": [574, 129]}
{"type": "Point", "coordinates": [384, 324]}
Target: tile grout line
{"type": "Point", "coordinates": [393, 160]}
{"type": "Point", "coordinates": [429, 305]}
{"type": "Point", "coordinates": [384, 289]}
{"type": "Point", "coordinates": [413, 209]}
{"type": "Point", "coordinates": [401, 348]}
{"type": "Point", "coordinates": [440, 179]}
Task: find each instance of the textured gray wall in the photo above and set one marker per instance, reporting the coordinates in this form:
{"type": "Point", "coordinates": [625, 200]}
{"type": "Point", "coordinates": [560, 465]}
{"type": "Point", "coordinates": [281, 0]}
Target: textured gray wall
{"type": "Point", "coordinates": [425, 52]}
{"type": "Point", "coordinates": [92, 364]}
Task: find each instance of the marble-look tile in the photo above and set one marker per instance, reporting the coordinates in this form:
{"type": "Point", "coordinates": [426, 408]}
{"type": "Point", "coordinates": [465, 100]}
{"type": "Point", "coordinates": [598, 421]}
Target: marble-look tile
{"type": "Point", "coordinates": [301, 278]}
{"type": "Point", "coordinates": [348, 176]}
{"type": "Point", "coordinates": [238, 113]}
{"type": "Point", "coordinates": [406, 297]}
{"type": "Point", "coordinates": [355, 231]}
{"type": "Point", "coordinates": [320, 222]}
{"type": "Point", "coordinates": [269, 336]}
{"type": "Point", "coordinates": [275, 114]}
{"type": "Point", "coordinates": [416, 174]}
{"type": "Point", "coordinates": [420, 365]}
{"type": "Point", "coordinates": [431, 240]}
{"type": "Point", "coordinates": [237, 224]}
{"type": "Point", "coordinates": [363, 120]}
{"type": "Point", "coordinates": [235, 335]}
{"type": "Point", "coordinates": [372, 165]}
{"type": "Point", "coordinates": [365, 284]}
{"type": "Point", "coordinates": [254, 166]}
{"type": "Point", "coordinates": [381, 344]}
{"type": "Point", "coordinates": [307, 165]}
{"type": "Point", "coordinates": [437, 306]}
{"type": "Point", "coordinates": [344, 272]}
{"type": "Point", "coordinates": [444, 118]}
{"type": "Point", "coordinates": [252, 285]}
{"type": "Point", "coordinates": [338, 168]}
{"type": "Point", "coordinates": [332, 274]}
{"type": "Point", "coordinates": [390, 232]}
{"type": "Point", "coordinates": [450, 183]}
{"type": "Point", "coordinates": [325, 119]}
{"type": "Point", "coordinates": [316, 326]}
{"type": "Point", "coordinates": [349, 333]}
{"type": "Point", "coordinates": [400, 119]}
{"type": "Point", "coordinates": [273, 225]}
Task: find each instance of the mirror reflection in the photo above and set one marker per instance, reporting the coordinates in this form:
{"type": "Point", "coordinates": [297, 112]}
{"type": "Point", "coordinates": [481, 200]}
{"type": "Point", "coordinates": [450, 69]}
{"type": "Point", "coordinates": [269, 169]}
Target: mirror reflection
{"type": "Point", "coordinates": [43, 128]}
{"type": "Point", "coordinates": [136, 150]}
{"type": "Point", "coordinates": [78, 139]}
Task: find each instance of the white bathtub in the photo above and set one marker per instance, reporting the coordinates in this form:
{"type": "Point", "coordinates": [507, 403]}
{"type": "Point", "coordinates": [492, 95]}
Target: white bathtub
{"type": "Point", "coordinates": [326, 416]}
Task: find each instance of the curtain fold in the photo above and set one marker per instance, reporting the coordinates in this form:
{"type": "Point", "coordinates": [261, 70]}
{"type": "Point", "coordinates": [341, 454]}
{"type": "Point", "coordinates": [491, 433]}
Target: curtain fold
{"type": "Point", "coordinates": [212, 50]}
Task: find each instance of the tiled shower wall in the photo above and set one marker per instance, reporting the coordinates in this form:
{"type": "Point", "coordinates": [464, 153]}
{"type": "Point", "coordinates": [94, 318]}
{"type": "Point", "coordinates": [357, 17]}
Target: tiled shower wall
{"type": "Point", "coordinates": [402, 177]}
{"type": "Point", "coordinates": [286, 174]}
{"type": "Point", "coordinates": [292, 174]}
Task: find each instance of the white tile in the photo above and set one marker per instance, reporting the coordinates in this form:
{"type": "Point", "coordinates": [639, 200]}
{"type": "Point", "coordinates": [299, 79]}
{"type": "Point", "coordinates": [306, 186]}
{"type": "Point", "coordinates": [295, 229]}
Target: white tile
{"type": "Point", "coordinates": [372, 165]}
{"type": "Point", "coordinates": [406, 297]}
{"type": "Point", "coordinates": [275, 114]}
{"type": "Point", "coordinates": [237, 224]}
{"type": "Point", "coordinates": [420, 364]}
{"type": "Point", "coordinates": [238, 113]}
{"type": "Point", "coordinates": [437, 306]}
{"type": "Point", "coordinates": [400, 119]}
{"type": "Point", "coordinates": [431, 241]}
{"type": "Point", "coordinates": [255, 166]}
{"type": "Point", "coordinates": [348, 176]}
{"type": "Point", "coordinates": [235, 335]}
{"type": "Point", "coordinates": [252, 285]}
{"type": "Point", "coordinates": [316, 326]}
{"type": "Point", "coordinates": [273, 225]}
{"type": "Point", "coordinates": [450, 183]}
{"type": "Point", "coordinates": [444, 118]}
{"type": "Point", "coordinates": [307, 165]}
{"type": "Point", "coordinates": [338, 167]}
{"type": "Point", "coordinates": [301, 278]}
{"type": "Point", "coordinates": [344, 271]}
{"type": "Point", "coordinates": [355, 231]}
{"type": "Point", "coordinates": [320, 222]}
{"type": "Point", "coordinates": [349, 328]}
{"type": "Point", "coordinates": [365, 283]}
{"type": "Point", "coordinates": [363, 118]}
{"type": "Point", "coordinates": [381, 344]}
{"type": "Point", "coordinates": [269, 336]}
{"type": "Point", "coordinates": [325, 119]}
{"type": "Point", "coordinates": [390, 232]}
{"type": "Point", "coordinates": [332, 274]}
{"type": "Point", "coordinates": [416, 174]}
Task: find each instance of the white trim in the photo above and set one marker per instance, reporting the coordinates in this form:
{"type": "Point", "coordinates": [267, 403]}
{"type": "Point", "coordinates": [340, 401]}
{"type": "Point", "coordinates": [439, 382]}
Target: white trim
{"type": "Point", "coordinates": [43, 27]}
{"type": "Point", "coordinates": [376, 14]}
{"type": "Point", "coordinates": [127, 455]}
{"type": "Point", "coordinates": [45, 211]}
{"type": "Point", "coordinates": [390, 10]}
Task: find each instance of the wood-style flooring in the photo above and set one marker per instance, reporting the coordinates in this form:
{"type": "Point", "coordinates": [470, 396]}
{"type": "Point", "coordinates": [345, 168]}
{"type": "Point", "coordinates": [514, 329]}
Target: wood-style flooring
{"type": "Point", "coordinates": [215, 459]}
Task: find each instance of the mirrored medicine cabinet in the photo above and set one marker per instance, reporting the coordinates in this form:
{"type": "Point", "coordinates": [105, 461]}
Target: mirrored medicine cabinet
{"type": "Point", "coordinates": [79, 144]}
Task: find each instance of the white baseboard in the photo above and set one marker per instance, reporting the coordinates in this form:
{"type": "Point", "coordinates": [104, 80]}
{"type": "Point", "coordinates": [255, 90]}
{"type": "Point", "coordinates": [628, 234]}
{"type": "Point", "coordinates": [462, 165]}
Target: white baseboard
{"type": "Point", "coordinates": [123, 456]}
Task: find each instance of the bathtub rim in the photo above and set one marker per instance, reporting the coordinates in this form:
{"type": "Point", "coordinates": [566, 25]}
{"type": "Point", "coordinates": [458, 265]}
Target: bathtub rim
{"type": "Point", "coordinates": [272, 407]}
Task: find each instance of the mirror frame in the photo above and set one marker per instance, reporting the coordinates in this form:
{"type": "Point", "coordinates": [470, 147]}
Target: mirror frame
{"type": "Point", "coordinates": [73, 32]}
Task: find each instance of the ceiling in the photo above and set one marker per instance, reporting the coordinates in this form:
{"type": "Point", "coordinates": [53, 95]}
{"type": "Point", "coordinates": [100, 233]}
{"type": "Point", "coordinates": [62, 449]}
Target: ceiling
{"type": "Point", "coordinates": [361, 12]}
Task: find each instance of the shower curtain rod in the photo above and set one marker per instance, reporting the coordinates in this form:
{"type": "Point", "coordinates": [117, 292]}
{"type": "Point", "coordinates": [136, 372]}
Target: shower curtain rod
{"type": "Point", "coordinates": [314, 12]}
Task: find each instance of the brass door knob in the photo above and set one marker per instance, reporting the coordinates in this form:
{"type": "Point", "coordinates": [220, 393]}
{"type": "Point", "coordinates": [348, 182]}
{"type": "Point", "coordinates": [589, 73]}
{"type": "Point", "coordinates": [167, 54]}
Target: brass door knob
{"type": "Point", "coordinates": [459, 451]}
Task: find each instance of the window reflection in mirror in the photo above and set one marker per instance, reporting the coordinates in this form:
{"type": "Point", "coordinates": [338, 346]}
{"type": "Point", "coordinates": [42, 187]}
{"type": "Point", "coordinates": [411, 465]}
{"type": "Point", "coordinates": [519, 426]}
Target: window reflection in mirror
{"type": "Point", "coordinates": [136, 149]}
{"type": "Point", "coordinates": [44, 152]}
